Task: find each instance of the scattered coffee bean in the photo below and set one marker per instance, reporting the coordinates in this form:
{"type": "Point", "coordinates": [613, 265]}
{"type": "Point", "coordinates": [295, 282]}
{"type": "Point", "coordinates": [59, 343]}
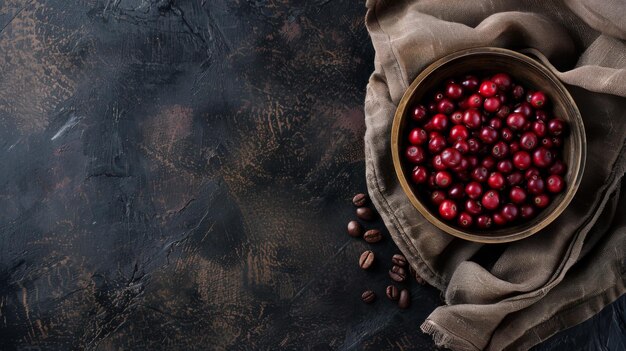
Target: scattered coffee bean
{"type": "Point", "coordinates": [365, 213]}
{"type": "Point", "coordinates": [405, 299]}
{"type": "Point", "coordinates": [397, 273]}
{"type": "Point", "coordinates": [373, 236]}
{"type": "Point", "coordinates": [368, 296]}
{"type": "Point", "coordinates": [398, 260]}
{"type": "Point", "coordinates": [393, 293]}
{"type": "Point", "coordinates": [367, 259]}
{"type": "Point", "coordinates": [418, 278]}
{"type": "Point", "coordinates": [354, 229]}
{"type": "Point", "coordinates": [359, 200]}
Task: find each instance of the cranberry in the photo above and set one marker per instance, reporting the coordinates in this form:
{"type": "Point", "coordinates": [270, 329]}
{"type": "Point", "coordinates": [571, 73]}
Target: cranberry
{"type": "Point", "coordinates": [491, 104]}
{"type": "Point", "coordinates": [465, 220]}
{"type": "Point", "coordinates": [440, 122]}
{"type": "Point", "coordinates": [514, 178]}
{"type": "Point", "coordinates": [496, 180]}
{"type": "Point", "coordinates": [541, 115]}
{"type": "Point", "coordinates": [513, 147]}
{"type": "Point", "coordinates": [503, 99]}
{"type": "Point", "coordinates": [527, 211]}
{"type": "Point", "coordinates": [538, 99]}
{"type": "Point", "coordinates": [472, 118]}
{"type": "Point", "coordinates": [503, 112]}
{"type": "Point", "coordinates": [473, 207]}
{"type": "Point", "coordinates": [431, 181]}
{"type": "Point", "coordinates": [502, 81]}
{"type": "Point", "coordinates": [473, 190]}
{"type": "Point", "coordinates": [436, 144]}
{"type": "Point", "coordinates": [517, 195]}
{"type": "Point", "coordinates": [500, 150]}
{"type": "Point", "coordinates": [528, 140]}
{"type": "Point", "coordinates": [543, 157]}
{"type": "Point", "coordinates": [488, 135]}
{"type": "Point", "coordinates": [495, 123]}
{"type": "Point", "coordinates": [518, 92]}
{"type": "Point", "coordinates": [532, 173]}
{"type": "Point", "coordinates": [443, 179]}
{"type": "Point", "coordinates": [547, 143]}
{"type": "Point", "coordinates": [451, 157]}
{"type": "Point", "coordinates": [483, 222]}
{"type": "Point", "coordinates": [541, 201]}
{"type": "Point", "coordinates": [558, 167]}
{"type": "Point", "coordinates": [419, 175]}
{"type": "Point", "coordinates": [462, 146]}
{"type": "Point", "coordinates": [473, 161]}
{"type": "Point", "coordinates": [498, 219]}
{"type": "Point", "coordinates": [488, 89]}
{"type": "Point", "coordinates": [557, 141]}
{"type": "Point", "coordinates": [445, 106]}
{"type": "Point", "coordinates": [555, 183]}
{"type": "Point", "coordinates": [454, 91]}
{"type": "Point", "coordinates": [456, 117]}
{"type": "Point", "coordinates": [556, 127]}
{"type": "Point", "coordinates": [522, 160]}
{"type": "Point", "coordinates": [475, 101]}
{"type": "Point", "coordinates": [438, 164]}
{"type": "Point", "coordinates": [447, 209]}
{"type": "Point", "coordinates": [418, 136]}
{"type": "Point", "coordinates": [529, 94]}
{"type": "Point", "coordinates": [458, 132]}
{"type": "Point", "coordinates": [414, 154]}
{"type": "Point", "coordinates": [474, 145]}
{"type": "Point", "coordinates": [516, 121]}
{"type": "Point", "coordinates": [437, 197]}
{"type": "Point", "coordinates": [470, 83]}
{"type": "Point", "coordinates": [539, 128]}
{"type": "Point", "coordinates": [505, 166]}
{"type": "Point", "coordinates": [419, 113]}
{"type": "Point", "coordinates": [462, 166]}
{"type": "Point", "coordinates": [507, 134]}
{"type": "Point", "coordinates": [480, 174]}
{"type": "Point", "coordinates": [456, 192]}
{"type": "Point", "coordinates": [491, 200]}
{"type": "Point", "coordinates": [524, 109]}
{"type": "Point", "coordinates": [509, 212]}
{"type": "Point", "coordinates": [432, 107]}
{"type": "Point", "coordinates": [488, 162]}
{"type": "Point", "coordinates": [535, 185]}
{"type": "Point", "coordinates": [439, 96]}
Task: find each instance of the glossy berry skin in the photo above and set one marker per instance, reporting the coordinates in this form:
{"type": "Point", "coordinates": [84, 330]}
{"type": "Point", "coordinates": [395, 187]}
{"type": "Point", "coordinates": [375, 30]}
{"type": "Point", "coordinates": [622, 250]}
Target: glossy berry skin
{"type": "Point", "coordinates": [439, 122]}
{"type": "Point", "coordinates": [527, 211]}
{"type": "Point", "coordinates": [456, 192]}
{"type": "Point", "coordinates": [473, 207]}
{"type": "Point", "coordinates": [419, 113]}
{"type": "Point", "coordinates": [496, 181]}
{"type": "Point", "coordinates": [541, 201]}
{"type": "Point", "coordinates": [456, 117]}
{"type": "Point", "coordinates": [555, 184]}
{"type": "Point", "coordinates": [489, 163]}
{"type": "Point", "coordinates": [454, 91]}
{"type": "Point", "coordinates": [556, 127]}
{"type": "Point", "coordinates": [528, 141]}
{"type": "Point", "coordinates": [458, 132]}
{"type": "Point", "coordinates": [518, 92]}
{"type": "Point", "coordinates": [465, 220]}
{"type": "Point", "coordinates": [443, 179]}
{"type": "Point", "coordinates": [473, 190]}
{"type": "Point", "coordinates": [517, 195]}
{"type": "Point", "coordinates": [509, 212]}
{"type": "Point", "coordinates": [514, 178]}
{"type": "Point", "coordinates": [498, 219]}
{"type": "Point", "coordinates": [507, 134]}
{"type": "Point", "coordinates": [438, 164]}
{"type": "Point", "coordinates": [531, 173]}
{"type": "Point", "coordinates": [436, 144]}
{"type": "Point", "coordinates": [502, 81]}
{"type": "Point", "coordinates": [437, 197]}
{"type": "Point", "coordinates": [451, 157]}
{"type": "Point", "coordinates": [539, 128]}
{"type": "Point", "coordinates": [418, 136]}
{"type": "Point", "coordinates": [445, 106]}
{"type": "Point", "coordinates": [480, 174]}
{"type": "Point", "coordinates": [475, 101]}
{"type": "Point", "coordinates": [462, 146]}
{"type": "Point", "coordinates": [414, 154]}
{"type": "Point", "coordinates": [524, 109]}
{"type": "Point", "coordinates": [513, 147]}
{"type": "Point", "coordinates": [488, 135]}
{"type": "Point", "coordinates": [547, 143]}
{"type": "Point", "coordinates": [439, 96]}
{"type": "Point", "coordinates": [472, 119]}
{"type": "Point", "coordinates": [419, 175]}
{"type": "Point", "coordinates": [473, 161]}
{"type": "Point", "coordinates": [491, 104]}
{"type": "Point", "coordinates": [503, 112]}
{"type": "Point", "coordinates": [516, 121]}
{"type": "Point", "coordinates": [536, 186]}
{"type": "Point", "coordinates": [522, 160]}
{"type": "Point", "coordinates": [505, 166]}
{"type": "Point", "coordinates": [488, 89]}
{"type": "Point", "coordinates": [470, 83]}
{"type": "Point", "coordinates": [543, 157]}
{"type": "Point", "coordinates": [474, 145]}
{"type": "Point", "coordinates": [558, 167]}
{"type": "Point", "coordinates": [448, 210]}
{"type": "Point", "coordinates": [495, 123]}
{"type": "Point", "coordinates": [541, 115]}
{"type": "Point", "coordinates": [491, 200]}
{"type": "Point", "coordinates": [500, 150]}
{"type": "Point", "coordinates": [484, 222]}
{"type": "Point", "coordinates": [538, 99]}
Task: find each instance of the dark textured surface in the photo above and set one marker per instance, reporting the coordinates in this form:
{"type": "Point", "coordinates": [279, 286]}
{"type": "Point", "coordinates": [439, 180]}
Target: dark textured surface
{"type": "Point", "coordinates": [178, 175]}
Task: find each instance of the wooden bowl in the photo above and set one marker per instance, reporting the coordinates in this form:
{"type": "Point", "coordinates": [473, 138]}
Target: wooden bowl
{"type": "Point", "coordinates": [530, 73]}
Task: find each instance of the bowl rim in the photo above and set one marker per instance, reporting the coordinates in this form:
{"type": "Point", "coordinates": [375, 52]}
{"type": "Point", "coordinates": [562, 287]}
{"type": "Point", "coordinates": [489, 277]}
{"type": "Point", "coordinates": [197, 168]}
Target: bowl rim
{"type": "Point", "coordinates": [578, 168]}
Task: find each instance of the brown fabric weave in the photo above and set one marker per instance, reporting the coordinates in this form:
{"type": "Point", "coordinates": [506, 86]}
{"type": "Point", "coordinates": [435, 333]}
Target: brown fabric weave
{"type": "Point", "coordinates": [570, 270]}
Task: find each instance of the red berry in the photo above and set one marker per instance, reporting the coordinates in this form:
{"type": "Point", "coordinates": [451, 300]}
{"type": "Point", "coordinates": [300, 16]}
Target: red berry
{"type": "Point", "coordinates": [517, 195]}
{"type": "Point", "coordinates": [558, 167]}
{"type": "Point", "coordinates": [502, 81]}
{"type": "Point", "coordinates": [451, 157]}
{"type": "Point", "coordinates": [528, 140]}
{"type": "Point", "coordinates": [557, 141]}
{"type": "Point", "coordinates": [480, 174]}
{"type": "Point", "coordinates": [447, 209]}
{"type": "Point", "coordinates": [432, 107]}
{"type": "Point", "coordinates": [509, 212]}
{"type": "Point", "coordinates": [439, 122]}
{"type": "Point", "coordinates": [458, 132]}
{"type": "Point", "coordinates": [436, 144]}
{"type": "Point", "coordinates": [532, 173]}
{"type": "Point", "coordinates": [456, 192]}
{"type": "Point", "coordinates": [516, 121]}
{"type": "Point", "coordinates": [484, 222]}
{"type": "Point", "coordinates": [505, 166]}
{"type": "Point", "coordinates": [543, 157]}
{"type": "Point", "coordinates": [454, 91]}
{"type": "Point", "coordinates": [473, 161]}
{"type": "Point", "coordinates": [472, 118]}
{"type": "Point", "coordinates": [491, 200]}
{"type": "Point", "coordinates": [555, 183]}
{"type": "Point", "coordinates": [419, 113]}
{"type": "Point", "coordinates": [438, 164]}
{"type": "Point", "coordinates": [462, 166]}
{"type": "Point", "coordinates": [507, 134]}
{"type": "Point", "coordinates": [503, 111]}
{"type": "Point", "coordinates": [437, 197]}
{"type": "Point", "coordinates": [491, 104]}
{"type": "Point", "coordinates": [474, 145]}
{"type": "Point", "coordinates": [418, 136]}
{"type": "Point", "coordinates": [488, 162]}
{"type": "Point", "coordinates": [539, 128]}
{"type": "Point", "coordinates": [470, 83]}
{"type": "Point", "coordinates": [445, 106]}
{"type": "Point", "coordinates": [518, 92]}
{"type": "Point", "coordinates": [495, 123]}
{"type": "Point", "coordinates": [439, 96]}
{"type": "Point", "coordinates": [488, 89]}
{"type": "Point", "coordinates": [541, 115]}
{"type": "Point", "coordinates": [535, 185]}
{"type": "Point", "coordinates": [443, 179]}
{"type": "Point", "coordinates": [465, 220]}
{"type": "Point", "coordinates": [473, 190]}
{"type": "Point", "coordinates": [475, 101]}
{"type": "Point", "coordinates": [414, 154]}
{"type": "Point", "coordinates": [419, 175]}
{"type": "Point", "coordinates": [541, 201]}
{"type": "Point", "coordinates": [473, 207]}
{"type": "Point", "coordinates": [431, 181]}
{"type": "Point", "coordinates": [556, 127]}
{"type": "Point", "coordinates": [522, 160]}
{"type": "Point", "coordinates": [513, 147]}
{"type": "Point", "coordinates": [488, 135]}
{"type": "Point", "coordinates": [500, 150]}
{"type": "Point", "coordinates": [496, 180]}
{"type": "Point", "coordinates": [514, 178]}
{"type": "Point", "coordinates": [462, 146]}
{"type": "Point", "coordinates": [538, 99]}
{"type": "Point", "coordinates": [547, 143]}
{"type": "Point", "coordinates": [456, 117]}
{"type": "Point", "coordinates": [524, 109]}
{"type": "Point", "coordinates": [527, 211]}
{"type": "Point", "coordinates": [498, 219]}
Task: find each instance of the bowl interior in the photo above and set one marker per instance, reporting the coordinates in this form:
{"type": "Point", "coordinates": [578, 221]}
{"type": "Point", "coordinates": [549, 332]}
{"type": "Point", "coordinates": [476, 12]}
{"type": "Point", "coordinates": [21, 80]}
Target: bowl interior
{"type": "Point", "coordinates": [524, 70]}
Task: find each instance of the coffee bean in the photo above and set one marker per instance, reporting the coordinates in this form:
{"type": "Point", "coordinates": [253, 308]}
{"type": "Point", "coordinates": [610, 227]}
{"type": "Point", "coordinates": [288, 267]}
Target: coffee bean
{"type": "Point", "coordinates": [368, 296]}
{"type": "Point", "coordinates": [366, 260]}
{"type": "Point", "coordinates": [392, 292]}
{"type": "Point", "coordinates": [365, 213]}
{"type": "Point", "coordinates": [354, 229]}
{"type": "Point", "coordinates": [405, 299]}
{"type": "Point", "coordinates": [417, 277]}
{"type": "Point", "coordinates": [398, 260]}
{"type": "Point", "coordinates": [359, 200]}
{"type": "Point", "coordinates": [397, 273]}
{"type": "Point", "coordinates": [373, 236]}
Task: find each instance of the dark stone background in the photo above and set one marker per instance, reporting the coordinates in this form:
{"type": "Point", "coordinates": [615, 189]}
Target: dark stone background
{"type": "Point", "coordinates": [177, 175]}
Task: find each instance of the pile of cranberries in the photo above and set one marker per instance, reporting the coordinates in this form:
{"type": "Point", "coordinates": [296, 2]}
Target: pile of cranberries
{"type": "Point", "coordinates": [486, 152]}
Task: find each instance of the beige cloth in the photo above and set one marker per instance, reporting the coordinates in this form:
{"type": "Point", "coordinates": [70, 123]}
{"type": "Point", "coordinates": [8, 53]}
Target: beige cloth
{"type": "Point", "coordinates": [567, 272]}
